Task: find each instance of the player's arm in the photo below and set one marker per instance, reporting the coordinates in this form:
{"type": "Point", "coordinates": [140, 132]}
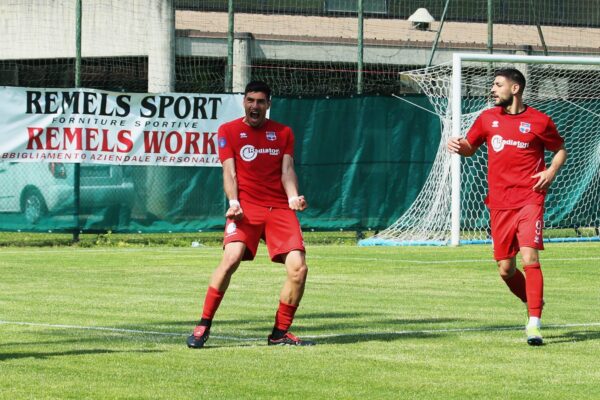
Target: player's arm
{"type": "Point", "coordinates": [461, 146]}
{"type": "Point", "coordinates": [230, 186]}
{"type": "Point", "coordinates": [467, 146]}
{"type": "Point", "coordinates": [289, 179]}
{"type": "Point", "coordinates": [546, 177]}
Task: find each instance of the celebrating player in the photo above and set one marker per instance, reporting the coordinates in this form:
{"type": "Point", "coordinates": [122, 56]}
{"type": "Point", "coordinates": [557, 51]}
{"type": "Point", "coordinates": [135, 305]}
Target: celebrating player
{"type": "Point", "coordinates": [516, 136]}
{"type": "Point", "coordinates": [262, 187]}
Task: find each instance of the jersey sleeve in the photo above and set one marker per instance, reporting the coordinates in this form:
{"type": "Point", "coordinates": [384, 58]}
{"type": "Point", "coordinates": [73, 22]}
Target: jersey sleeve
{"type": "Point", "coordinates": [289, 146]}
{"type": "Point", "coordinates": [551, 138]}
{"type": "Point", "coordinates": [224, 144]}
{"type": "Point", "coordinates": [477, 135]}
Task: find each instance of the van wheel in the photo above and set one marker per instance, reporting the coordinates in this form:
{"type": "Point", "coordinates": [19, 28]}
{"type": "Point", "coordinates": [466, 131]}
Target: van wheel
{"type": "Point", "coordinates": [34, 206]}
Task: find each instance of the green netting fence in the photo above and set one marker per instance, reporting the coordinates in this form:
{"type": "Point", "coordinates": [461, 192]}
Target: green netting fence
{"type": "Point", "coordinates": [361, 162]}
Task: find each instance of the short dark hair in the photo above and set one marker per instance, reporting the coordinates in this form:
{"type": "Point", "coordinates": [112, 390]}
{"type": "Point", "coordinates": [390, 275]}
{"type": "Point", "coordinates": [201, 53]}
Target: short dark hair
{"type": "Point", "coordinates": [514, 75]}
{"type": "Point", "coordinates": [258, 86]}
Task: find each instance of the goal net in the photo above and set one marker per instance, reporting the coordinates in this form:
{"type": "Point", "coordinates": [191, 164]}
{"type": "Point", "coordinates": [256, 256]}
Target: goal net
{"type": "Point", "coordinates": [450, 208]}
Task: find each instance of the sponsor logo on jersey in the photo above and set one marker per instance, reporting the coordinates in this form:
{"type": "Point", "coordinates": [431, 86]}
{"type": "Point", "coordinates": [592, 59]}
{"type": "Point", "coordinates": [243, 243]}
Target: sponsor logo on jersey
{"type": "Point", "coordinates": [222, 142]}
{"type": "Point", "coordinates": [243, 135]}
{"type": "Point", "coordinates": [272, 136]}
{"type": "Point", "coordinates": [249, 152]}
{"type": "Point", "coordinates": [495, 124]}
{"type": "Point", "coordinates": [525, 127]}
{"type": "Point", "coordinates": [498, 143]}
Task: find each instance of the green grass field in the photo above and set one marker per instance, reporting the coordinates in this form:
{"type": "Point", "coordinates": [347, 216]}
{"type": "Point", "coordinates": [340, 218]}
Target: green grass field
{"type": "Point", "coordinates": [391, 323]}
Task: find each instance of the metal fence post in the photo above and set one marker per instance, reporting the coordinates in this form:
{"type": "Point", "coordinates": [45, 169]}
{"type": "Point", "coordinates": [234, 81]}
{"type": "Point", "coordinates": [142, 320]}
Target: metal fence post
{"type": "Point", "coordinates": [77, 167]}
{"type": "Point", "coordinates": [359, 77]}
{"type": "Point", "coordinates": [230, 38]}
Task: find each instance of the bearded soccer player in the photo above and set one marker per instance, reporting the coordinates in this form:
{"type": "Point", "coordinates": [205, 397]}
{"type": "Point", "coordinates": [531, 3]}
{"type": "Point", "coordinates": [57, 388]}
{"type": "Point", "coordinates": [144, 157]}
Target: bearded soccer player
{"type": "Point", "coordinates": [516, 136]}
{"type": "Point", "coordinates": [260, 182]}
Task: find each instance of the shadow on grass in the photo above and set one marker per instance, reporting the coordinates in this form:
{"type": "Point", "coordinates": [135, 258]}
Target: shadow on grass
{"type": "Point", "coordinates": [572, 337]}
{"type": "Point", "coordinates": [52, 354]}
{"type": "Point", "coordinates": [338, 327]}
{"type": "Point", "coordinates": [358, 328]}
{"type": "Point", "coordinates": [331, 322]}
{"type": "Point", "coordinates": [46, 342]}
{"type": "Point", "coordinates": [349, 338]}
{"type": "Point", "coordinates": [375, 337]}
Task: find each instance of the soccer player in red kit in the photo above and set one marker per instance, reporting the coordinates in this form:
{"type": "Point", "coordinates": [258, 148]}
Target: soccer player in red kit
{"type": "Point", "coordinates": [262, 187]}
{"type": "Point", "coordinates": [516, 136]}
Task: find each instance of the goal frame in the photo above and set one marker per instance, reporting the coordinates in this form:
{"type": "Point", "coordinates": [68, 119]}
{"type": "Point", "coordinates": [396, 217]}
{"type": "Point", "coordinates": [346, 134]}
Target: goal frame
{"type": "Point", "coordinates": [456, 108]}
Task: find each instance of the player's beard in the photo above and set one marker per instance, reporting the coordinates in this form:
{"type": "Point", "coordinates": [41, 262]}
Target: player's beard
{"type": "Point", "coordinates": [504, 102]}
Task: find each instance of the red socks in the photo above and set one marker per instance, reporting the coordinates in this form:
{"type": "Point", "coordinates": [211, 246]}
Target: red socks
{"type": "Point", "coordinates": [211, 303]}
{"type": "Point", "coordinates": [530, 289]}
{"type": "Point", "coordinates": [535, 289]}
{"type": "Point", "coordinates": [516, 284]}
{"type": "Point", "coordinates": [285, 316]}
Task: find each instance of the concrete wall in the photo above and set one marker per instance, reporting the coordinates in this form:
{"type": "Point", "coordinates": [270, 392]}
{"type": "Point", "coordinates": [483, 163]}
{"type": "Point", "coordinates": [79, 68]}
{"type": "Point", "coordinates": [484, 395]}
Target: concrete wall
{"type": "Point", "coordinates": [110, 28]}
{"type": "Point", "coordinates": [113, 28]}
{"type": "Point", "coordinates": [388, 41]}
{"type": "Point", "coordinates": [46, 28]}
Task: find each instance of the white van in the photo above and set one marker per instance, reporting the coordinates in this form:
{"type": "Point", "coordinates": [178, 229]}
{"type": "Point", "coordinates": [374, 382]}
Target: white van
{"type": "Point", "coordinates": [36, 189]}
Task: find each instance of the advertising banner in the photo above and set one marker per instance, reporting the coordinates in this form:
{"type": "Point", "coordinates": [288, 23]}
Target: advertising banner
{"type": "Point", "coordinates": [100, 127]}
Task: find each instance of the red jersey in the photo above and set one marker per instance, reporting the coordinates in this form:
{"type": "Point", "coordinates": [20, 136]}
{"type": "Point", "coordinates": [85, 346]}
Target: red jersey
{"type": "Point", "coordinates": [258, 155]}
{"type": "Point", "coordinates": [516, 144]}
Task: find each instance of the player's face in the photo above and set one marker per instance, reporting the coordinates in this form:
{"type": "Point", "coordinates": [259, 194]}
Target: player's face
{"type": "Point", "coordinates": [503, 91]}
{"type": "Point", "coordinates": [256, 105]}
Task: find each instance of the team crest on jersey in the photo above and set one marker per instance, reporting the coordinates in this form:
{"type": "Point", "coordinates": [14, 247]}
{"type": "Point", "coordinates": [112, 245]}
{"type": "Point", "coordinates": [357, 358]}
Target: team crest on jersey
{"type": "Point", "coordinates": [271, 136]}
{"type": "Point", "coordinates": [243, 135]}
{"type": "Point", "coordinates": [525, 127]}
{"type": "Point", "coordinates": [495, 124]}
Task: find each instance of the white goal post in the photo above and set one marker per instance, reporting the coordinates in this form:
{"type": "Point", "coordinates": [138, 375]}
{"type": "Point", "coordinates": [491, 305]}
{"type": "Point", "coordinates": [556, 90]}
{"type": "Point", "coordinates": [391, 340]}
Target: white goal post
{"type": "Point", "coordinates": [449, 210]}
{"type": "Point", "coordinates": [457, 62]}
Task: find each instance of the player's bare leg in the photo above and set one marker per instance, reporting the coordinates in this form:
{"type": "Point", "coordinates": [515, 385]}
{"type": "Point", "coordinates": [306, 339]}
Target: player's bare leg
{"type": "Point", "coordinates": [289, 299]}
{"type": "Point", "coordinates": [219, 282]}
{"type": "Point", "coordinates": [535, 293]}
{"type": "Point", "coordinates": [232, 256]}
{"type": "Point", "coordinates": [529, 255]}
{"type": "Point", "coordinates": [507, 267]}
{"type": "Point", "coordinates": [293, 288]}
{"type": "Point", "coordinates": [513, 277]}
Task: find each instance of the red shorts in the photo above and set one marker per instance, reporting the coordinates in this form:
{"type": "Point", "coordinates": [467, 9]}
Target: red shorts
{"type": "Point", "coordinates": [278, 227]}
{"type": "Point", "coordinates": [513, 229]}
